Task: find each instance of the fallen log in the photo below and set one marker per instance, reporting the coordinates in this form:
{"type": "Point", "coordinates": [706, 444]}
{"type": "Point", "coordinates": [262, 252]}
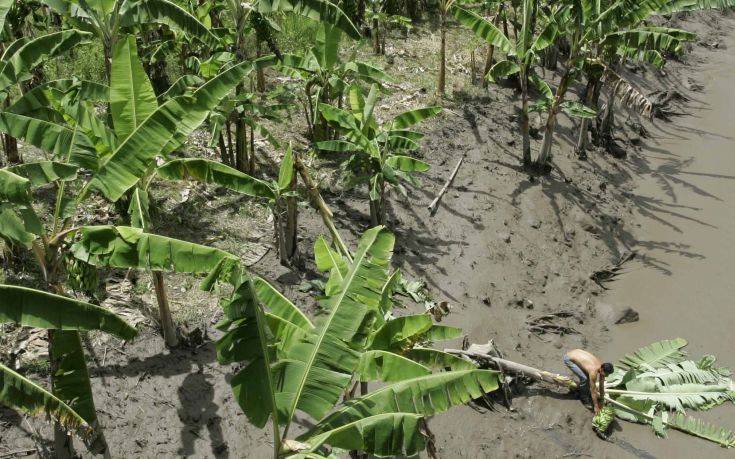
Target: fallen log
{"type": "Point", "coordinates": [482, 352]}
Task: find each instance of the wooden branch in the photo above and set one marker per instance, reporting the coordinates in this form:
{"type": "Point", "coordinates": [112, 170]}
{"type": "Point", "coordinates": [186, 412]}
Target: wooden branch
{"type": "Point", "coordinates": [508, 366]}
{"type": "Point", "coordinates": [435, 203]}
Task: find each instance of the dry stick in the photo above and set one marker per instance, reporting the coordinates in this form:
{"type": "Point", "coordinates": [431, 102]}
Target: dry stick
{"type": "Point", "coordinates": [518, 368]}
{"type": "Point", "coordinates": [18, 453]}
{"type": "Point", "coordinates": [435, 203]}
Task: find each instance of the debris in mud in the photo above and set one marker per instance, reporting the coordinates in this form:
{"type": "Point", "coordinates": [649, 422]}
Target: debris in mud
{"type": "Point", "coordinates": [611, 272]}
{"type": "Point", "coordinates": [662, 103]}
{"type": "Point", "coordinates": [548, 323]}
{"type": "Point", "coordinates": [627, 316]}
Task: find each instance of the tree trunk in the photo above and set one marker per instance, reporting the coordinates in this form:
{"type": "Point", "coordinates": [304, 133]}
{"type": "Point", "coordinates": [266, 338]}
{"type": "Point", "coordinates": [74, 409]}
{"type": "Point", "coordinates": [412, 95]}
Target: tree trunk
{"type": "Point", "coordinates": [489, 55]}
{"type": "Point", "coordinates": [551, 119]}
{"type": "Point", "coordinates": [285, 219]}
{"type": "Point", "coordinates": [582, 138]}
{"type": "Point", "coordinates": [167, 322]}
{"type": "Point", "coordinates": [10, 145]}
{"type": "Point", "coordinates": [318, 202]}
{"type": "Point", "coordinates": [516, 368]}
{"type": "Point", "coordinates": [251, 156]}
{"type": "Point", "coordinates": [241, 144]}
{"type": "Point", "coordinates": [224, 153]}
{"type": "Point", "coordinates": [292, 214]}
{"type": "Point", "coordinates": [525, 134]}
{"type": "Point", "coordinates": [605, 132]}
{"type": "Point", "coordinates": [551, 57]}
{"type": "Point", "coordinates": [376, 36]}
{"type": "Point", "coordinates": [260, 72]}
{"type": "Point", "coordinates": [377, 207]}
{"type": "Point", "coordinates": [442, 59]}
{"type": "Point", "coordinates": [473, 68]}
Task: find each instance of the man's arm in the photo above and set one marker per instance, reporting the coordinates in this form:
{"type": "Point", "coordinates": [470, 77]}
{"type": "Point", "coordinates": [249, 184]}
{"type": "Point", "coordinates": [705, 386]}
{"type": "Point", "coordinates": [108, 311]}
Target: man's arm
{"type": "Point", "coordinates": [594, 393]}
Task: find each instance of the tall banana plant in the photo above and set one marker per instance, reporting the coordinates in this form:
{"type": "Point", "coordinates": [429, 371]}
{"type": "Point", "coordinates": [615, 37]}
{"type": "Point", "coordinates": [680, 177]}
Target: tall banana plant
{"type": "Point", "coordinates": [256, 19]}
{"type": "Point", "coordinates": [522, 53]}
{"type": "Point", "coordinates": [59, 118]}
{"type": "Point", "coordinates": [588, 28]}
{"type": "Point", "coordinates": [19, 60]}
{"type": "Point", "coordinates": [280, 195]}
{"type": "Point", "coordinates": [379, 151]}
{"type": "Point", "coordinates": [445, 9]}
{"type": "Point", "coordinates": [69, 403]}
{"type": "Point", "coordinates": [326, 77]}
{"type": "Point", "coordinates": [656, 384]}
{"type": "Point", "coordinates": [109, 20]}
{"type": "Point", "coordinates": [295, 365]}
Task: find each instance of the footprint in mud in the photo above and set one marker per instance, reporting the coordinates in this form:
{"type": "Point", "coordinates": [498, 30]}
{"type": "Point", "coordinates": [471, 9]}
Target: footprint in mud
{"type": "Point", "coordinates": [198, 410]}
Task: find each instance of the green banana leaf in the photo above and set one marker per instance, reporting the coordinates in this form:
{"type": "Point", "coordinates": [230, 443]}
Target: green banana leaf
{"type": "Point", "coordinates": [132, 98]}
{"type": "Point", "coordinates": [208, 171]}
{"type": "Point", "coordinates": [38, 309]}
{"type": "Point", "coordinates": [128, 247]}
{"type": "Point", "coordinates": [176, 118]}
{"type": "Point", "coordinates": [24, 395]}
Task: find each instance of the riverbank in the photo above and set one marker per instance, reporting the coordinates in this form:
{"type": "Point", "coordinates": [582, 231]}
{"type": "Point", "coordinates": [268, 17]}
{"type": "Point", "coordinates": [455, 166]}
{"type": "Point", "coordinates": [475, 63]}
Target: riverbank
{"type": "Point", "coordinates": [503, 249]}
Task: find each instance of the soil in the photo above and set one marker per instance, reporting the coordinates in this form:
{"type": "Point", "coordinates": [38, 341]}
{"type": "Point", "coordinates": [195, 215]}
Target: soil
{"type": "Point", "coordinates": [503, 248]}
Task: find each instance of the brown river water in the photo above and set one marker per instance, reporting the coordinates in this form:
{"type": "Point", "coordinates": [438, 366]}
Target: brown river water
{"type": "Point", "coordinates": [686, 286]}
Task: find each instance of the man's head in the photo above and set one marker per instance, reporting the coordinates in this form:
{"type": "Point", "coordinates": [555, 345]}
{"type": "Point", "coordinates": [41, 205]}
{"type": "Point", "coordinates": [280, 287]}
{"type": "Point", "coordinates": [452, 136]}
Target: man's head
{"type": "Point", "coordinates": [607, 368]}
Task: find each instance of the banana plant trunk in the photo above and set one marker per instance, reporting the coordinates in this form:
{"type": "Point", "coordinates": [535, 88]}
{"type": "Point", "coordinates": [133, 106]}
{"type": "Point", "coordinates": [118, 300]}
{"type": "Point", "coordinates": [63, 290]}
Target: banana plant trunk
{"type": "Point", "coordinates": [441, 84]}
{"type": "Point", "coordinates": [242, 161]}
{"type": "Point", "coordinates": [164, 310]}
{"type": "Point", "coordinates": [489, 55]}
{"type": "Point", "coordinates": [65, 353]}
{"type": "Point", "coordinates": [582, 138]}
{"type": "Point", "coordinates": [10, 144]}
{"type": "Point", "coordinates": [608, 119]}
{"type": "Point", "coordinates": [377, 207]}
{"type": "Point", "coordinates": [285, 220]}
{"type": "Point", "coordinates": [63, 444]}
{"type": "Point", "coordinates": [376, 36]}
{"type": "Point", "coordinates": [321, 206]}
{"type": "Point", "coordinates": [525, 130]}
{"type": "Point", "coordinates": [550, 127]}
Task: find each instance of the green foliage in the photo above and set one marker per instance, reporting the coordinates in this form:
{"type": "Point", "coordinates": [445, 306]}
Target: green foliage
{"type": "Point", "coordinates": [24, 395]}
{"type": "Point", "coordinates": [657, 379]}
{"type": "Point", "coordinates": [38, 309]}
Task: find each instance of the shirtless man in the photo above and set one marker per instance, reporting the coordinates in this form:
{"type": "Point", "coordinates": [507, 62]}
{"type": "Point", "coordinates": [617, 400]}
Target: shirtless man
{"type": "Point", "coordinates": [591, 372]}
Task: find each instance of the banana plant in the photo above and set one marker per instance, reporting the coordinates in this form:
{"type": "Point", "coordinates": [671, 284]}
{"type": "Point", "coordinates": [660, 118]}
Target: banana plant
{"type": "Point", "coordinates": [380, 19]}
{"type": "Point", "coordinates": [588, 29]}
{"type": "Point", "coordinates": [326, 77]}
{"type": "Point", "coordinates": [253, 109]}
{"type": "Point", "coordinates": [657, 383]}
{"type": "Point", "coordinates": [379, 151]}
{"type": "Point", "coordinates": [280, 195]}
{"type": "Point", "coordinates": [109, 20]}
{"type": "Point", "coordinates": [445, 8]}
{"type": "Point", "coordinates": [522, 53]}
{"type": "Point", "coordinates": [20, 62]}
{"type": "Point", "coordinates": [258, 18]}
{"type": "Point", "coordinates": [296, 365]}
{"type": "Point", "coordinates": [70, 402]}
{"type": "Point", "coordinates": [117, 157]}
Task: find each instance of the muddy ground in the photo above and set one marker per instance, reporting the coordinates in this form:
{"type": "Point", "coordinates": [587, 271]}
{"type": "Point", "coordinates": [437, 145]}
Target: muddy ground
{"type": "Point", "coordinates": [504, 248]}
